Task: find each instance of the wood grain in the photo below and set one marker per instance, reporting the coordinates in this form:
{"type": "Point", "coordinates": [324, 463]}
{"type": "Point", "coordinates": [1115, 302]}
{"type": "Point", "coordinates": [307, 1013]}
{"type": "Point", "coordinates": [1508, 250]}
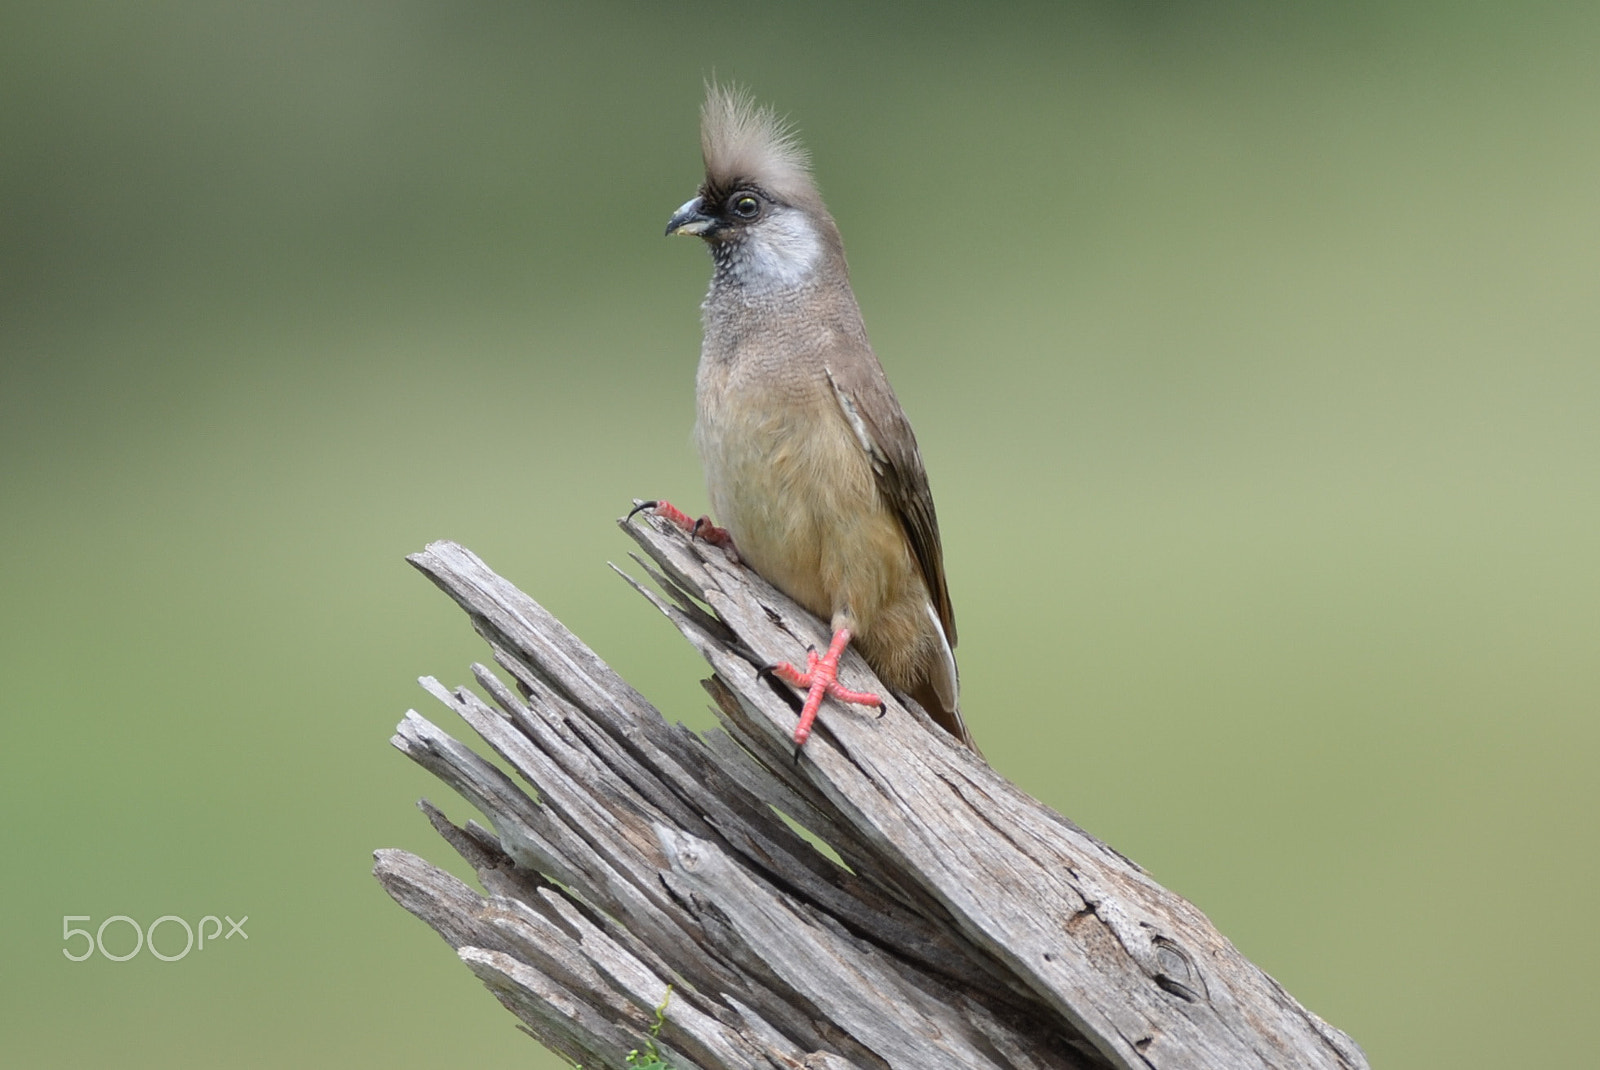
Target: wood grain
{"type": "Point", "coordinates": [969, 925]}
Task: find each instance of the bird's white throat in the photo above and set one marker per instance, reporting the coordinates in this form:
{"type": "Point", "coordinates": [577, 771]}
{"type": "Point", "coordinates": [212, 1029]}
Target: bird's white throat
{"type": "Point", "coordinates": [778, 253]}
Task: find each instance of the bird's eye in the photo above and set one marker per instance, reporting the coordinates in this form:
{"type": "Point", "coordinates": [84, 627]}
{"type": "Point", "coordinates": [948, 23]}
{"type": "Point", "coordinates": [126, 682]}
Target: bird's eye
{"type": "Point", "coordinates": [745, 206]}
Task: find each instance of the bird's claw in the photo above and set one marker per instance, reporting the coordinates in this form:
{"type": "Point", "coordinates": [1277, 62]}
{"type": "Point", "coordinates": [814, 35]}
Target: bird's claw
{"type": "Point", "coordinates": [820, 679]}
{"type": "Point", "coordinates": [702, 529]}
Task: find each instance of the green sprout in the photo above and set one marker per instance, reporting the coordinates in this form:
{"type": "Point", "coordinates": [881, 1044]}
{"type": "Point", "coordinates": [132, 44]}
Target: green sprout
{"type": "Point", "coordinates": [650, 1058]}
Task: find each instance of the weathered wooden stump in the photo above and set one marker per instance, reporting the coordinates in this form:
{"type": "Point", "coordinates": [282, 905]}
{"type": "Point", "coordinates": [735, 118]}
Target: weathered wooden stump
{"type": "Point", "coordinates": [968, 926]}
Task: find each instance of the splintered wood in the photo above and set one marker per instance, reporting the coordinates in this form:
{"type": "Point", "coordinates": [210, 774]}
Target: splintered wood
{"type": "Point", "coordinates": [969, 925]}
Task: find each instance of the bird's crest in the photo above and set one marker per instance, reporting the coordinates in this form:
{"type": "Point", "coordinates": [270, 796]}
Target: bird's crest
{"type": "Point", "coordinates": [743, 142]}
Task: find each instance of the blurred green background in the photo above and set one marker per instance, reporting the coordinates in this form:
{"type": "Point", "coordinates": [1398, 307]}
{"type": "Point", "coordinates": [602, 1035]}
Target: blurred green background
{"type": "Point", "coordinates": [1254, 351]}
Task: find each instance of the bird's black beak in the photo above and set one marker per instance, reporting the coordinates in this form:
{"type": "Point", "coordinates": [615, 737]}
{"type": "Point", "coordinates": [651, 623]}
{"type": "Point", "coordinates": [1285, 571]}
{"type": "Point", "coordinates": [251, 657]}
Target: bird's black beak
{"type": "Point", "coordinates": [690, 219]}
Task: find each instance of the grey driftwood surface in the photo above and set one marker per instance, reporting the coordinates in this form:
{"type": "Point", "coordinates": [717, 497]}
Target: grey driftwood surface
{"type": "Point", "coordinates": [969, 925]}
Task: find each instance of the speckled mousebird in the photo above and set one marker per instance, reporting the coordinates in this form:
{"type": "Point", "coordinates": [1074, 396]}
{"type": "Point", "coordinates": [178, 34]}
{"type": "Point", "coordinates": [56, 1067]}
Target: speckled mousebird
{"type": "Point", "coordinates": [811, 465]}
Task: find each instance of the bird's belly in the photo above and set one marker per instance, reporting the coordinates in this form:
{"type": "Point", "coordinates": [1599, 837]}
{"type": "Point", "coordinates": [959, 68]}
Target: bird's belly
{"type": "Point", "coordinates": [802, 503]}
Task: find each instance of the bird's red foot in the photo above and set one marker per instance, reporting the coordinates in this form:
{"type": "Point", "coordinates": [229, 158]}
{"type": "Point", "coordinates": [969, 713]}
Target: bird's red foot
{"type": "Point", "coordinates": [700, 529]}
{"type": "Point", "coordinates": [821, 678]}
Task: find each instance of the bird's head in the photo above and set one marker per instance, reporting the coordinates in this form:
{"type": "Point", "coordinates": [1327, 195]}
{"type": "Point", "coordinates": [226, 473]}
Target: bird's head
{"type": "Point", "coordinates": [758, 209]}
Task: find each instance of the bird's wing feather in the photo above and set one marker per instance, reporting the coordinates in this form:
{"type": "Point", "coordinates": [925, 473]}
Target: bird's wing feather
{"type": "Point", "coordinates": [885, 434]}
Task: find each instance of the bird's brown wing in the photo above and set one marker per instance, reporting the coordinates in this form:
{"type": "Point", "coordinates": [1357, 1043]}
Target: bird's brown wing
{"type": "Point", "coordinates": [874, 413]}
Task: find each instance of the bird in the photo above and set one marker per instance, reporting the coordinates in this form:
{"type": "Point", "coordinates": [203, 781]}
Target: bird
{"type": "Point", "coordinates": [810, 463]}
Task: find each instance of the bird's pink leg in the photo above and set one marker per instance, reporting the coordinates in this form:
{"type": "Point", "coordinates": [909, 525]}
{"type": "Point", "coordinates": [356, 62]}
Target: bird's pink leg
{"type": "Point", "coordinates": [821, 678]}
{"type": "Point", "coordinates": [700, 529]}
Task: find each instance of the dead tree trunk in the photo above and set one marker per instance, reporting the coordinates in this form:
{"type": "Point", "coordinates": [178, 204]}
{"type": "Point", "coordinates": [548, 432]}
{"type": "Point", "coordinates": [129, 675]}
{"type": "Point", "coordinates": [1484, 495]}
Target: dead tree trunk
{"type": "Point", "coordinates": [968, 926]}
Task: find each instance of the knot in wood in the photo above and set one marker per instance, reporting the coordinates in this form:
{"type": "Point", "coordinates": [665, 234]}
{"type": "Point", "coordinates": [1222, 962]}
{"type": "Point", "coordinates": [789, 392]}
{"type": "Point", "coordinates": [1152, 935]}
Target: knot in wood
{"type": "Point", "coordinates": [1176, 972]}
